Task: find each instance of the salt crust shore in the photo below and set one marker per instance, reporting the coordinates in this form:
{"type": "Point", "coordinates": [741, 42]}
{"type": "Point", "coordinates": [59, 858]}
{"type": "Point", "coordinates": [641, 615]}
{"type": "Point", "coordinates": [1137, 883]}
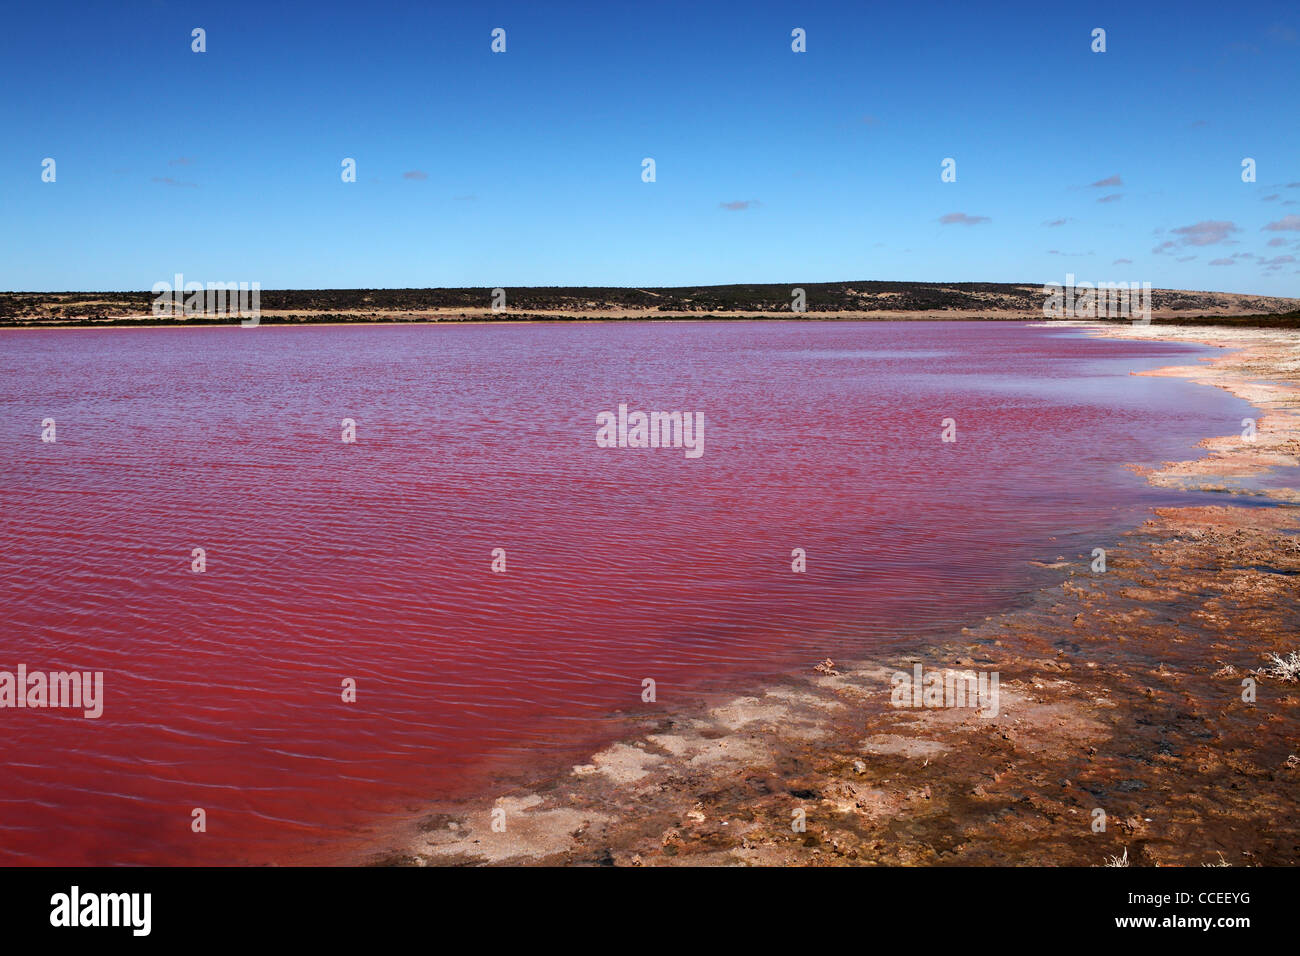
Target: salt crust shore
{"type": "Point", "coordinates": [1120, 692]}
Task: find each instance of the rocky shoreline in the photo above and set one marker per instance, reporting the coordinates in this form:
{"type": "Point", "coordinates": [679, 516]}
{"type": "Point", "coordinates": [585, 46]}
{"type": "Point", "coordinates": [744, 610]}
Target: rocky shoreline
{"type": "Point", "coordinates": [1140, 719]}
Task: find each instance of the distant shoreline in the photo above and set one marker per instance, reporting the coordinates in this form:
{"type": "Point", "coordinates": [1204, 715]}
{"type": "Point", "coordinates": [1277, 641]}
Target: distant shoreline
{"type": "Point", "coordinates": [1282, 320]}
{"type": "Point", "coordinates": [839, 301]}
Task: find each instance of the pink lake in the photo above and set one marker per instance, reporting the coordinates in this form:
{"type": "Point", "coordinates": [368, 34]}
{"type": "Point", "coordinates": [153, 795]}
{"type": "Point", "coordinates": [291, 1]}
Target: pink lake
{"type": "Point", "coordinates": [372, 561]}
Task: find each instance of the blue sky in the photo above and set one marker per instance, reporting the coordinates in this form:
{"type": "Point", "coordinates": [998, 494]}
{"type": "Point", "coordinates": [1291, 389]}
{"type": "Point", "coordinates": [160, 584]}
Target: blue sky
{"type": "Point", "coordinates": [524, 168]}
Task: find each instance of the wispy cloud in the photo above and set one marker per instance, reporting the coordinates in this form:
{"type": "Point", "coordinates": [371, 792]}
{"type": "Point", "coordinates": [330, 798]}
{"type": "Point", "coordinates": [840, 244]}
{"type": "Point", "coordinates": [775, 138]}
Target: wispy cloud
{"type": "Point", "coordinates": [1108, 181]}
{"type": "Point", "coordinates": [736, 205]}
{"type": "Point", "coordinates": [415, 174]}
{"type": "Point", "coordinates": [1052, 223]}
{"type": "Point", "coordinates": [1122, 262]}
{"type": "Point", "coordinates": [181, 161]}
{"type": "Point", "coordinates": [1206, 233]}
{"type": "Point", "coordinates": [1286, 222]}
{"type": "Point", "coordinates": [960, 218]}
{"type": "Point", "coordinates": [1280, 33]}
{"type": "Point", "coordinates": [1222, 262]}
{"type": "Point", "coordinates": [168, 181]}
{"type": "Point", "coordinates": [1113, 197]}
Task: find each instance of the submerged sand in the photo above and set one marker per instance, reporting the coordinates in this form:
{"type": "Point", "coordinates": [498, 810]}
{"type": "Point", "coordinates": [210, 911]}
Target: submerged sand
{"type": "Point", "coordinates": [1124, 699]}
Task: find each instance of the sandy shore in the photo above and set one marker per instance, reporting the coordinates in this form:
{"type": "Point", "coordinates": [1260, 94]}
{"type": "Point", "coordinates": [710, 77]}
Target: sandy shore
{"type": "Point", "coordinates": [1121, 693]}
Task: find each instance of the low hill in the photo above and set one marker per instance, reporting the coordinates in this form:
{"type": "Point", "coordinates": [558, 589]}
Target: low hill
{"type": "Point", "coordinates": [884, 300]}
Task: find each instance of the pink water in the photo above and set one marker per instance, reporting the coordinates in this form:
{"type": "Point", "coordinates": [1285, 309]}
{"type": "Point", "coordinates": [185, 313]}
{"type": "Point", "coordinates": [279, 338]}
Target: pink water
{"type": "Point", "coordinates": [372, 560]}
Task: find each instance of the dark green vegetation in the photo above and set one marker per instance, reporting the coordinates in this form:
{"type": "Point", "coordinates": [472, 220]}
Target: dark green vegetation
{"type": "Point", "coordinates": [989, 300]}
{"type": "Point", "coordinates": [1271, 320]}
